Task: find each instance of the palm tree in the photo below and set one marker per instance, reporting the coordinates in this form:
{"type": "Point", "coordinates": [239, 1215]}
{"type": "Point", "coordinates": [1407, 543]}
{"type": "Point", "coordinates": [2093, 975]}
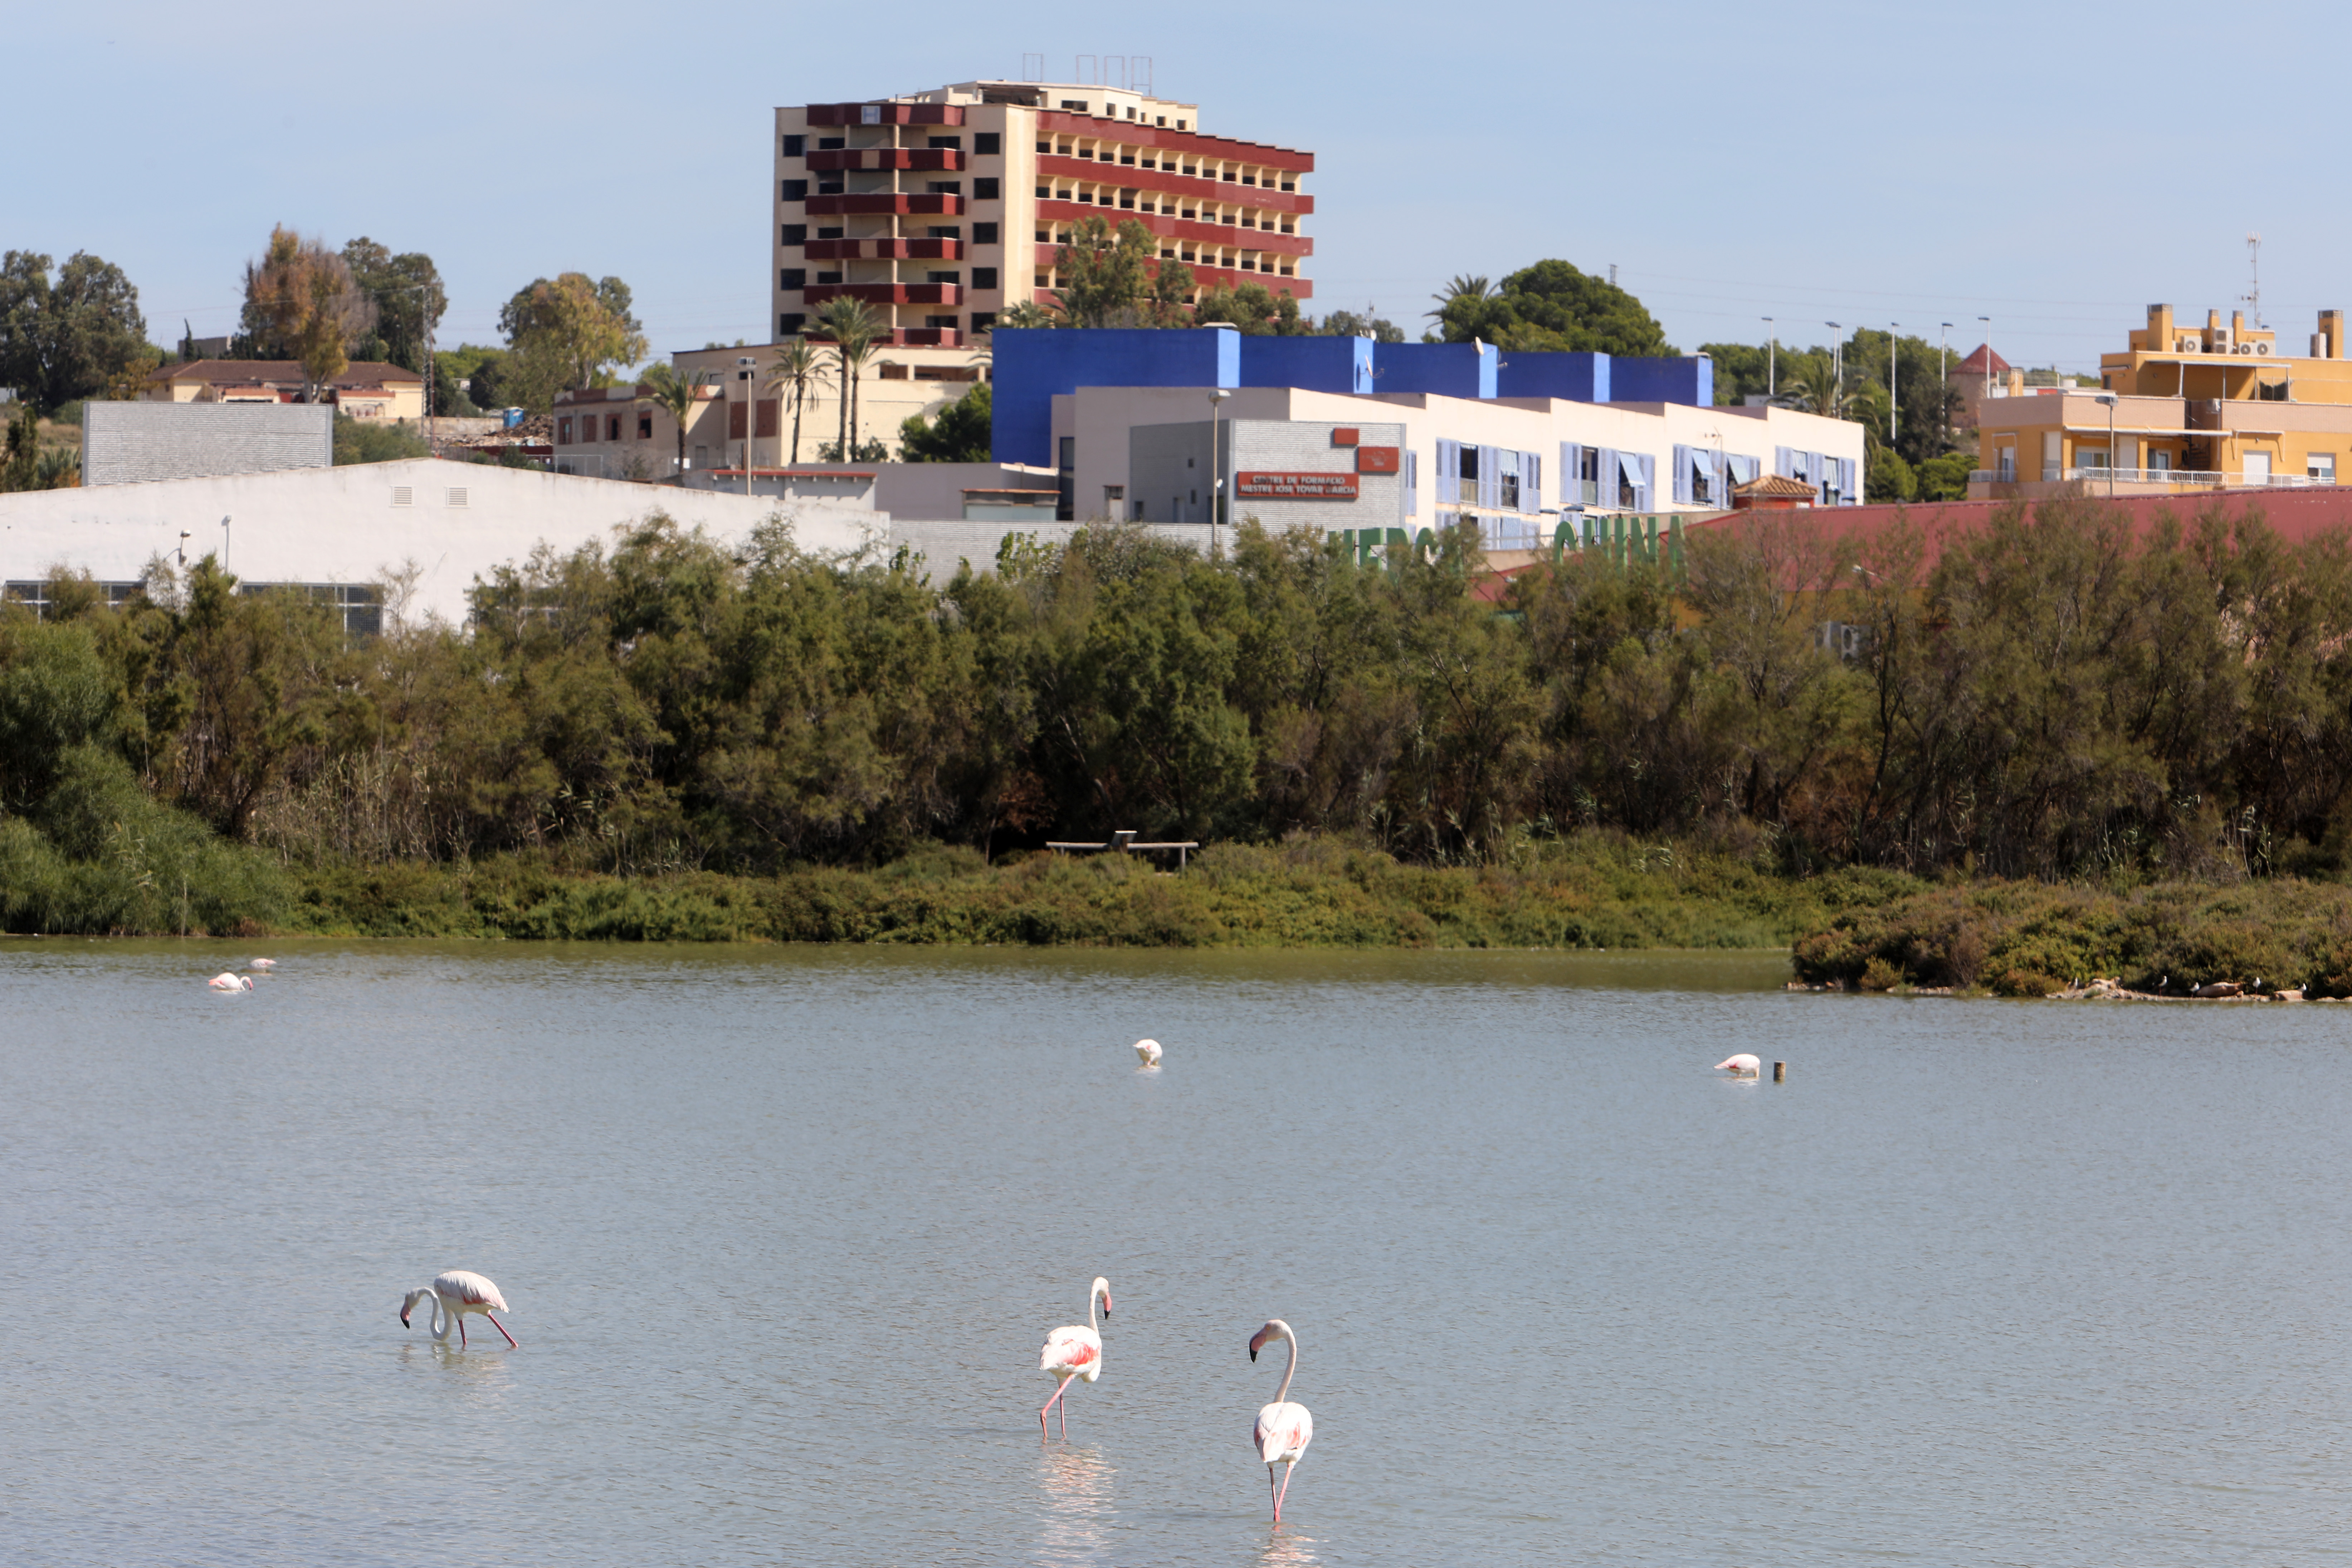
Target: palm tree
{"type": "Point", "coordinates": [1462, 286]}
{"type": "Point", "coordinates": [792, 372]}
{"type": "Point", "coordinates": [675, 393]}
{"type": "Point", "coordinates": [853, 329]}
{"type": "Point", "coordinates": [1025, 313]}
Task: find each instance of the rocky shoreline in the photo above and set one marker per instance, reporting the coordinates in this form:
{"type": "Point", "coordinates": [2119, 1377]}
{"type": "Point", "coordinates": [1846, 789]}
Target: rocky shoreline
{"type": "Point", "coordinates": [2107, 990]}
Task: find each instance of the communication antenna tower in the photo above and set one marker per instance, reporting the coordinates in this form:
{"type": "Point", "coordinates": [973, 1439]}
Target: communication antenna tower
{"type": "Point", "coordinates": [2253, 295]}
{"type": "Point", "coordinates": [1032, 68]}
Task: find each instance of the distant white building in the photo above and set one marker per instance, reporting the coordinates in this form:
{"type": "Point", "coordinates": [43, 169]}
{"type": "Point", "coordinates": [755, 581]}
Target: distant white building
{"type": "Point", "coordinates": [130, 443]}
{"type": "Point", "coordinates": [343, 532]}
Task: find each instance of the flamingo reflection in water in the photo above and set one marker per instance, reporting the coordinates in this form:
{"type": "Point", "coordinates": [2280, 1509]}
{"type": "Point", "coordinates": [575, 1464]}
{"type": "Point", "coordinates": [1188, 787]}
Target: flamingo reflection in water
{"type": "Point", "coordinates": [1073, 1520]}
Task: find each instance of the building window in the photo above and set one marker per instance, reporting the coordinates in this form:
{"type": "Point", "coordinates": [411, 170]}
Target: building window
{"type": "Point", "coordinates": [987, 143]}
{"type": "Point", "coordinates": [945, 323]}
{"type": "Point", "coordinates": [987, 189]}
{"type": "Point", "coordinates": [644, 426]}
{"type": "Point", "coordinates": [1045, 192]}
{"type": "Point", "coordinates": [983, 320]}
{"type": "Point", "coordinates": [945, 188]}
{"type": "Point", "coordinates": [830, 185]}
{"type": "Point", "coordinates": [946, 231]}
{"type": "Point", "coordinates": [793, 190]}
{"type": "Point", "coordinates": [831, 143]}
{"type": "Point", "coordinates": [702, 456]}
{"type": "Point", "coordinates": [587, 428]}
{"type": "Point", "coordinates": [795, 234]}
{"type": "Point", "coordinates": [795, 146]}
{"type": "Point", "coordinates": [950, 144]}
{"type": "Point", "coordinates": [983, 277]}
{"type": "Point", "coordinates": [983, 233]}
{"type": "Point", "coordinates": [942, 277]}
{"type": "Point", "coordinates": [1075, 105]}
{"type": "Point", "coordinates": [792, 277]}
{"type": "Point", "coordinates": [2321, 466]}
{"type": "Point", "coordinates": [826, 278]}
{"type": "Point", "coordinates": [790, 322]}
{"type": "Point", "coordinates": [612, 427]}
{"type": "Point", "coordinates": [828, 233]}
{"type": "Point", "coordinates": [563, 439]}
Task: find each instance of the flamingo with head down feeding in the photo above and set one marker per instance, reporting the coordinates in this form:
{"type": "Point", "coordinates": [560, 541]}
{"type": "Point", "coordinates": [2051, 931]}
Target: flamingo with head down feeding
{"type": "Point", "coordinates": [1745, 1065]}
{"type": "Point", "coordinates": [226, 980]}
{"type": "Point", "coordinates": [264, 964]}
{"type": "Point", "coordinates": [1073, 1352]}
{"type": "Point", "coordinates": [1283, 1429]}
{"type": "Point", "coordinates": [1148, 1052]}
{"type": "Point", "coordinates": [454, 1294]}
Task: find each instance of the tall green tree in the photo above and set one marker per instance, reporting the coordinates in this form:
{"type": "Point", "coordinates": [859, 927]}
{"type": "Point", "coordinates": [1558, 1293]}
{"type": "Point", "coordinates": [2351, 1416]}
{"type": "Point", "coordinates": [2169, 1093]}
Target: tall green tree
{"type": "Point", "coordinates": [851, 328]}
{"type": "Point", "coordinates": [406, 293]}
{"type": "Point", "coordinates": [302, 303]}
{"type": "Point", "coordinates": [675, 393]}
{"type": "Point", "coordinates": [1255, 309]}
{"type": "Point", "coordinates": [1551, 307]}
{"type": "Point", "coordinates": [563, 332]}
{"type": "Point", "coordinates": [64, 339]}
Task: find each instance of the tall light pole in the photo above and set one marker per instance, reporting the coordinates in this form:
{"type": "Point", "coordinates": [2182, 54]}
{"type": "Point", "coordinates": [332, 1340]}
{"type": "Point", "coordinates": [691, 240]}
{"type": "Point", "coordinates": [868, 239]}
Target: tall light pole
{"type": "Point", "coordinates": [2110, 400]}
{"type": "Point", "coordinates": [1216, 467]}
{"type": "Point", "coordinates": [225, 540]}
{"type": "Point", "coordinates": [1892, 328]}
{"type": "Point", "coordinates": [1772, 360]}
{"type": "Point", "coordinates": [1837, 369]}
{"type": "Point", "coordinates": [1988, 348]}
{"type": "Point", "coordinates": [1943, 378]}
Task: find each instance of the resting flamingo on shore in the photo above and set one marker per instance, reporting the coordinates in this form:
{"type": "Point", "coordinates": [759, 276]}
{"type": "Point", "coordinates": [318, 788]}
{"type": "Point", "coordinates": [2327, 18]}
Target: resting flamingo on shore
{"type": "Point", "coordinates": [455, 1294]}
{"type": "Point", "coordinates": [225, 981]}
{"type": "Point", "coordinates": [1073, 1352]}
{"type": "Point", "coordinates": [1283, 1429]}
{"type": "Point", "coordinates": [1744, 1065]}
{"type": "Point", "coordinates": [1148, 1052]}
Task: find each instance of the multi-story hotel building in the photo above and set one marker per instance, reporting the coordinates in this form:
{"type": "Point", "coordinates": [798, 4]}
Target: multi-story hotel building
{"type": "Point", "coordinates": [939, 209]}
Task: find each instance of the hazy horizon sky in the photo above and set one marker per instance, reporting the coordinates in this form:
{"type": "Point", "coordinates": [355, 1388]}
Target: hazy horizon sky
{"type": "Point", "coordinates": [1817, 162]}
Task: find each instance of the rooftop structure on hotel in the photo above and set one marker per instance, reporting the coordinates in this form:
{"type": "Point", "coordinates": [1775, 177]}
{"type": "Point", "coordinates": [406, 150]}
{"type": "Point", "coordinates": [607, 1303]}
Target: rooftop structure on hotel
{"type": "Point", "coordinates": [939, 209]}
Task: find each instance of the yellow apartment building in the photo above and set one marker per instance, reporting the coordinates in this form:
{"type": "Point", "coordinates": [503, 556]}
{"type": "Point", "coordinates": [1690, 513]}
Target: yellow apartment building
{"type": "Point", "coordinates": [2183, 408]}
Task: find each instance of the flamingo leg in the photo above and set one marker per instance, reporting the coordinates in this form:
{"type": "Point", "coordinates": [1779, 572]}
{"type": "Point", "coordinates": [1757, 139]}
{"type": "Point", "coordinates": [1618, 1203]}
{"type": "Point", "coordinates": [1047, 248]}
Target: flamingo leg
{"type": "Point", "coordinates": [1284, 1492]}
{"type": "Point", "coordinates": [1059, 1389]}
{"type": "Point", "coordinates": [1270, 1496]}
{"type": "Point", "coordinates": [502, 1328]}
{"type": "Point", "coordinates": [461, 1329]}
{"type": "Point", "coordinates": [1065, 1414]}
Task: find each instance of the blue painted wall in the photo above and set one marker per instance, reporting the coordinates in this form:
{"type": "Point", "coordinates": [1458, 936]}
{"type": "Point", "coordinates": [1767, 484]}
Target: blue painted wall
{"type": "Point", "coordinates": [1441, 370]}
{"type": "Point", "coordinates": [1313, 364]}
{"type": "Point", "coordinates": [1690, 380]}
{"type": "Point", "coordinates": [1573, 378]}
{"type": "Point", "coordinates": [1032, 365]}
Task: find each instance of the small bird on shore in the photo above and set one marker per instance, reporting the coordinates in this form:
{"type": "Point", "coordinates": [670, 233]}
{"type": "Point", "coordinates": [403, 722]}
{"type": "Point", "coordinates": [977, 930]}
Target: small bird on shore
{"type": "Point", "coordinates": [1148, 1052]}
{"type": "Point", "coordinates": [454, 1294]}
{"type": "Point", "coordinates": [1744, 1065]}
{"type": "Point", "coordinates": [1073, 1352]}
{"type": "Point", "coordinates": [1283, 1429]}
{"type": "Point", "coordinates": [227, 981]}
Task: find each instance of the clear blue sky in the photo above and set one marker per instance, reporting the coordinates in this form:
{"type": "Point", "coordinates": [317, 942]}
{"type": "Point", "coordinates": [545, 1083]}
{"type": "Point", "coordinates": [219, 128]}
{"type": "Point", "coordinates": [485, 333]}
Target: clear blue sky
{"type": "Point", "coordinates": [2055, 165]}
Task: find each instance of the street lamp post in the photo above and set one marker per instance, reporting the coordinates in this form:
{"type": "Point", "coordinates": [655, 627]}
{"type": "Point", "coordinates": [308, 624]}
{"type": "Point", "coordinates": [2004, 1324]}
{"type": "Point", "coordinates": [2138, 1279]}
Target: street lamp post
{"type": "Point", "coordinates": [1837, 370]}
{"type": "Point", "coordinates": [225, 536]}
{"type": "Point", "coordinates": [1772, 360]}
{"type": "Point", "coordinates": [1216, 467]}
{"type": "Point", "coordinates": [2110, 399]}
{"type": "Point", "coordinates": [1892, 328]}
{"type": "Point", "coordinates": [1943, 380]}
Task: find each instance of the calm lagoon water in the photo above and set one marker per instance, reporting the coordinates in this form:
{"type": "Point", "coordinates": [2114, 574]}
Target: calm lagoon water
{"type": "Point", "coordinates": [782, 1229]}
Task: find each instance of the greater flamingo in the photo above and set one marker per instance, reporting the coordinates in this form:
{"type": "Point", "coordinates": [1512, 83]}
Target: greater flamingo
{"type": "Point", "coordinates": [1283, 1429]}
{"type": "Point", "coordinates": [1148, 1052]}
{"type": "Point", "coordinates": [262, 963]}
{"type": "Point", "coordinates": [455, 1294]}
{"type": "Point", "coordinates": [1744, 1065]}
{"type": "Point", "coordinates": [1073, 1352]}
{"type": "Point", "coordinates": [225, 981]}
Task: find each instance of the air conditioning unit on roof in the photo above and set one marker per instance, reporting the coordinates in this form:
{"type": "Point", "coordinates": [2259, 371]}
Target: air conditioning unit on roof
{"type": "Point", "coordinates": [2245, 348]}
{"type": "Point", "coordinates": [2262, 348]}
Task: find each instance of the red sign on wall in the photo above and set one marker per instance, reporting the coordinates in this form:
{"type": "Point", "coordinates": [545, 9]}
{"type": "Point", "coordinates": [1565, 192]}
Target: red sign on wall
{"type": "Point", "coordinates": [1377, 460]}
{"type": "Point", "coordinates": [1265, 486]}
{"type": "Point", "coordinates": [1345, 436]}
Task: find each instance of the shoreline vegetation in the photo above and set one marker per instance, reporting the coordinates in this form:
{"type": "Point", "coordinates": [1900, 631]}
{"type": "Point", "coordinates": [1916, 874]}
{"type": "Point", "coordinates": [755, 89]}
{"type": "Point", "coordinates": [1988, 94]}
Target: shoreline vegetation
{"type": "Point", "coordinates": [2013, 756]}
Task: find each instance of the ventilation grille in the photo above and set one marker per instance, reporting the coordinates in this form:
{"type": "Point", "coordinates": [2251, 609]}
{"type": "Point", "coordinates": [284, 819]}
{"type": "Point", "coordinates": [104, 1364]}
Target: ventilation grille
{"type": "Point", "coordinates": [403, 495]}
{"type": "Point", "coordinates": [457, 495]}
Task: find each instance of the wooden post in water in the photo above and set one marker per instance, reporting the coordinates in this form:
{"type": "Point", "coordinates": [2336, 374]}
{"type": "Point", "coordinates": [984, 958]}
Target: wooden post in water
{"type": "Point", "coordinates": [1780, 1072]}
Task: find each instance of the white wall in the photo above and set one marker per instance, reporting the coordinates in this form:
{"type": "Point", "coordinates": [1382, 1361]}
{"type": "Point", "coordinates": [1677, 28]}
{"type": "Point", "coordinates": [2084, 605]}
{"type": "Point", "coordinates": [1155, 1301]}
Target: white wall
{"type": "Point", "coordinates": [342, 525]}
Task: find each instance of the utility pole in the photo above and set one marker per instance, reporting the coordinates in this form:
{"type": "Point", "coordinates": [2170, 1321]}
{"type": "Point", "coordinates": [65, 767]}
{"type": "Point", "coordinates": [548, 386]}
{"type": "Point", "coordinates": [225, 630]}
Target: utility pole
{"type": "Point", "coordinates": [1943, 378]}
{"type": "Point", "coordinates": [1892, 328]}
{"type": "Point", "coordinates": [1772, 360]}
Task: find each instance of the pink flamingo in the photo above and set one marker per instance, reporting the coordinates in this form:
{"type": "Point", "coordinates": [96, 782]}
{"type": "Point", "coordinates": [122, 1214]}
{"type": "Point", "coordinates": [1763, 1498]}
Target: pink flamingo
{"type": "Point", "coordinates": [455, 1294]}
{"type": "Point", "coordinates": [1283, 1429]}
{"type": "Point", "coordinates": [225, 981]}
{"type": "Point", "coordinates": [1073, 1352]}
{"type": "Point", "coordinates": [1746, 1064]}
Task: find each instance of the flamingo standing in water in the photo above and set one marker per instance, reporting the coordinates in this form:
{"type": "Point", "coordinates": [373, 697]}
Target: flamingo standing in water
{"type": "Point", "coordinates": [1148, 1052]}
{"type": "Point", "coordinates": [262, 963]}
{"type": "Point", "coordinates": [1283, 1429]}
{"type": "Point", "coordinates": [1745, 1065]}
{"type": "Point", "coordinates": [1073, 1352]}
{"type": "Point", "coordinates": [225, 981]}
{"type": "Point", "coordinates": [455, 1294]}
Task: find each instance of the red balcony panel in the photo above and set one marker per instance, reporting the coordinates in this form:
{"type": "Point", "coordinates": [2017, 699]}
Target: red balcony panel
{"type": "Point", "coordinates": [882, 204]}
{"type": "Point", "coordinates": [886, 293]}
{"type": "Point", "coordinates": [924, 337]}
{"type": "Point", "coordinates": [1287, 159]}
{"type": "Point", "coordinates": [884, 250]}
{"type": "Point", "coordinates": [1056, 169]}
{"type": "Point", "coordinates": [1185, 230]}
{"type": "Point", "coordinates": [885, 158]}
{"type": "Point", "coordinates": [886, 113]}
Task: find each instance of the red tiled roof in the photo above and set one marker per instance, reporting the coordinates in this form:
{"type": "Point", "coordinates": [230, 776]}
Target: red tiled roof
{"type": "Point", "coordinates": [1975, 364]}
{"type": "Point", "coordinates": [258, 372]}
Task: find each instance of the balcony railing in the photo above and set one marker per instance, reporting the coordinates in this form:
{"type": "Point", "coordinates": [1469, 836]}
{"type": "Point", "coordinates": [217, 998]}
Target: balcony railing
{"type": "Point", "coordinates": [2191, 478]}
{"type": "Point", "coordinates": [884, 250]}
{"type": "Point", "coordinates": [888, 293]}
{"type": "Point", "coordinates": [878, 203]}
{"type": "Point", "coordinates": [883, 158]}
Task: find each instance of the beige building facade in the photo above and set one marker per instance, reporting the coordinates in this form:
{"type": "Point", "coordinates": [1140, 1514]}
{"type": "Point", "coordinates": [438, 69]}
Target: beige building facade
{"type": "Point", "coordinates": [374, 392]}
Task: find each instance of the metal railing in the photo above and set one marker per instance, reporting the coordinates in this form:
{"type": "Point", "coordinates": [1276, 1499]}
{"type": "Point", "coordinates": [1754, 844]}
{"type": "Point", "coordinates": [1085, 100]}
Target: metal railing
{"type": "Point", "coordinates": [2197, 478]}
